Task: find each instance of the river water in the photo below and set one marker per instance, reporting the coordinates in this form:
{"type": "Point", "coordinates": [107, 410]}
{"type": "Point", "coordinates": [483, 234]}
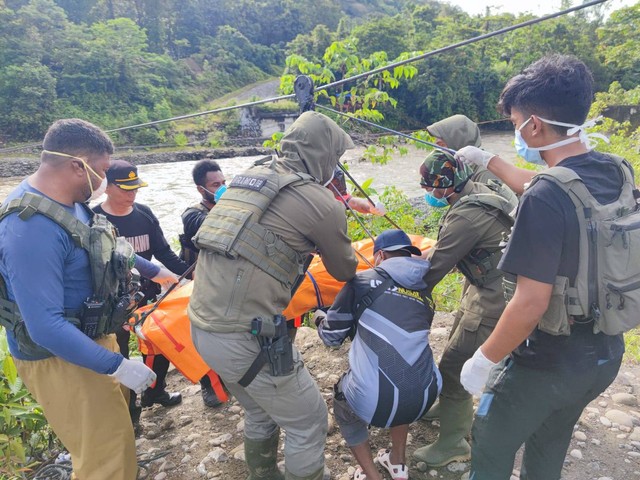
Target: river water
{"type": "Point", "coordinates": [171, 187]}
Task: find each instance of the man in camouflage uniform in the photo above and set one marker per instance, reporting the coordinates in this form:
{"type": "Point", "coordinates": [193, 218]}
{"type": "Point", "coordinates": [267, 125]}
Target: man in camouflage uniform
{"type": "Point", "coordinates": [456, 132]}
{"type": "Point", "coordinates": [469, 239]}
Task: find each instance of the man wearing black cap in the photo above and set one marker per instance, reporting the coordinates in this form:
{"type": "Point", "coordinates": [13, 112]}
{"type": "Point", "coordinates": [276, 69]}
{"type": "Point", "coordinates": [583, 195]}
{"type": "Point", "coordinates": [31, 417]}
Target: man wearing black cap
{"type": "Point", "coordinates": [392, 378]}
{"type": "Point", "coordinates": [141, 228]}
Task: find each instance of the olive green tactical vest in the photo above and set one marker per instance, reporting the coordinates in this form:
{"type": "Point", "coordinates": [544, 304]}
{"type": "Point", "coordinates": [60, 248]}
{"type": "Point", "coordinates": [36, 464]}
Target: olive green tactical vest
{"type": "Point", "coordinates": [480, 266]}
{"type": "Point", "coordinates": [111, 260]}
{"type": "Point", "coordinates": [233, 229]}
{"type": "Point", "coordinates": [606, 290]}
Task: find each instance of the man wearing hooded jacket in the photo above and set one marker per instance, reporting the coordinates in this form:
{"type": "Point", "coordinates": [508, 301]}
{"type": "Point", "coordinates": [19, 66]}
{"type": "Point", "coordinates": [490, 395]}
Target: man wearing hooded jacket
{"type": "Point", "coordinates": [456, 132]}
{"type": "Point", "coordinates": [295, 219]}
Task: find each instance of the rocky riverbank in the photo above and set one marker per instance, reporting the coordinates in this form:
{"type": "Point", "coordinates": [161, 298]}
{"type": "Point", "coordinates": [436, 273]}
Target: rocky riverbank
{"type": "Point", "coordinates": [199, 442]}
{"type": "Point", "coordinates": [26, 165]}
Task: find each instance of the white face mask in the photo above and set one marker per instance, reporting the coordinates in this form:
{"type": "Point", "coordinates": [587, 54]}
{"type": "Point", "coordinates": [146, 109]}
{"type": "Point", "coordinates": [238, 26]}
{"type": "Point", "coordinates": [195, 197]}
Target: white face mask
{"type": "Point", "coordinates": [95, 194]}
{"type": "Point", "coordinates": [103, 180]}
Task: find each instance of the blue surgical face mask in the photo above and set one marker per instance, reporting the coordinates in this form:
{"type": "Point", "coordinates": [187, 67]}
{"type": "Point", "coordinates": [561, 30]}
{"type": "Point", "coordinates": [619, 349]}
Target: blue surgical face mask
{"type": "Point", "coordinates": [435, 202]}
{"type": "Point", "coordinates": [532, 155]}
{"type": "Point", "coordinates": [219, 192]}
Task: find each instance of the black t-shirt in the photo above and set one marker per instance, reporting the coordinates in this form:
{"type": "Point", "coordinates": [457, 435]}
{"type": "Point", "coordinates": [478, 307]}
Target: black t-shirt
{"type": "Point", "coordinates": [142, 229]}
{"type": "Point", "coordinates": [545, 244]}
{"type": "Point", "coordinates": [192, 218]}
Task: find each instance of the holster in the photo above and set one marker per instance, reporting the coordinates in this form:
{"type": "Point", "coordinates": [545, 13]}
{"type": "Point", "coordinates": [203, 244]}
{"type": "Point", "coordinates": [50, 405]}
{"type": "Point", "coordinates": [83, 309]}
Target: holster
{"type": "Point", "coordinates": [276, 349]}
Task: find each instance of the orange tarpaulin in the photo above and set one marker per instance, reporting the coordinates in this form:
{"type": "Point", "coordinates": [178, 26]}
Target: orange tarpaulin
{"type": "Point", "coordinates": [308, 297]}
{"type": "Point", "coordinates": [167, 329]}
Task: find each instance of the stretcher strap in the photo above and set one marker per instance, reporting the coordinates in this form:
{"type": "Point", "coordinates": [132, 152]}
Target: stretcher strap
{"type": "Point", "coordinates": [216, 384]}
{"type": "Point", "coordinates": [319, 300]}
{"type": "Point", "coordinates": [178, 346]}
{"type": "Point", "coordinates": [151, 355]}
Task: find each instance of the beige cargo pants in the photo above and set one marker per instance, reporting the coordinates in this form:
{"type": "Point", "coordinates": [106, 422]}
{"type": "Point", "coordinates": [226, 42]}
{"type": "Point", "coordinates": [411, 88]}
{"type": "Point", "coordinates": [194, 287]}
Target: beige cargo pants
{"type": "Point", "coordinates": [89, 414]}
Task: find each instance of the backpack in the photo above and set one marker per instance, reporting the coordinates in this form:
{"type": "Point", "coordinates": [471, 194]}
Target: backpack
{"type": "Point", "coordinates": [606, 290]}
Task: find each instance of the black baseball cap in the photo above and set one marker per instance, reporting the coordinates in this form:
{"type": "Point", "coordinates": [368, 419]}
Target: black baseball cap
{"type": "Point", "coordinates": [124, 175]}
{"type": "Point", "coordinates": [392, 240]}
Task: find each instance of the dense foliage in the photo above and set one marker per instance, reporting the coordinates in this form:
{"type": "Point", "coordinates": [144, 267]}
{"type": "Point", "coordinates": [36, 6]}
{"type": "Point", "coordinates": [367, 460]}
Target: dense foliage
{"type": "Point", "coordinates": [132, 61]}
{"type": "Point", "coordinates": [24, 432]}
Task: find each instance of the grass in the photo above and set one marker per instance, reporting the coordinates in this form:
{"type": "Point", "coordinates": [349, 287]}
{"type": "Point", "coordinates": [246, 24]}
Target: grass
{"type": "Point", "coordinates": [632, 345]}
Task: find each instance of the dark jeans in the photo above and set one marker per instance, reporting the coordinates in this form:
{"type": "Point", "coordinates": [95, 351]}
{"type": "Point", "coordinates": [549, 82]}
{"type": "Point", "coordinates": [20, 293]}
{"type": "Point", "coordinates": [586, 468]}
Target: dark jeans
{"type": "Point", "coordinates": [536, 407]}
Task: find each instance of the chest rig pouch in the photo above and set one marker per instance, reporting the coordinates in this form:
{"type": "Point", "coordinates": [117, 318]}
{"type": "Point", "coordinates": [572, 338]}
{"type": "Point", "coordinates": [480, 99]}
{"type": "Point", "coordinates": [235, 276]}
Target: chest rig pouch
{"type": "Point", "coordinates": [480, 266]}
{"type": "Point", "coordinates": [111, 259]}
{"type": "Point", "coordinates": [233, 229]}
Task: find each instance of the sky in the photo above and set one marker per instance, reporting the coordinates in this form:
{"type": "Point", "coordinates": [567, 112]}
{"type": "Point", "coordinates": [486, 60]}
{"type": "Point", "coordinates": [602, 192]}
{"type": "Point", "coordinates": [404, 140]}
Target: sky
{"type": "Point", "coordinates": [537, 7]}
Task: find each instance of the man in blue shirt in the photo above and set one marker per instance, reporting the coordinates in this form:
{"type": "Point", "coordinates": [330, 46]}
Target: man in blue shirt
{"type": "Point", "coordinates": [80, 381]}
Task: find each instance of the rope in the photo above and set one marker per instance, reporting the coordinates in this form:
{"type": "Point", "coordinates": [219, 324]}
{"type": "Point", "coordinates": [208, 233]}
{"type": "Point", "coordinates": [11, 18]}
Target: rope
{"type": "Point", "coordinates": [355, 77]}
{"type": "Point", "coordinates": [64, 469]}
{"type": "Point", "coordinates": [58, 471]}
{"type": "Point", "coordinates": [394, 132]}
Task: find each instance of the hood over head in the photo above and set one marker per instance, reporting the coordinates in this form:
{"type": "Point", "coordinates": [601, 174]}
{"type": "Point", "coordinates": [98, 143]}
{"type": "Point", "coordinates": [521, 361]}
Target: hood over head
{"type": "Point", "coordinates": [407, 271]}
{"type": "Point", "coordinates": [457, 131]}
{"type": "Point", "coordinates": [313, 144]}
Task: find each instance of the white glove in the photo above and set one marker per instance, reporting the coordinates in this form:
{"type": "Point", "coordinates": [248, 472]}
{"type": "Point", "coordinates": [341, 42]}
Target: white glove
{"type": "Point", "coordinates": [165, 278]}
{"type": "Point", "coordinates": [378, 209]}
{"type": "Point", "coordinates": [472, 156]}
{"type": "Point", "coordinates": [135, 375]}
{"type": "Point", "coordinates": [475, 373]}
{"type": "Point", "coordinates": [318, 317]}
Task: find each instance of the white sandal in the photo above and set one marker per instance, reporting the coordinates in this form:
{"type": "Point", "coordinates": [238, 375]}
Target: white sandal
{"type": "Point", "coordinates": [397, 472]}
{"type": "Point", "coordinates": [358, 475]}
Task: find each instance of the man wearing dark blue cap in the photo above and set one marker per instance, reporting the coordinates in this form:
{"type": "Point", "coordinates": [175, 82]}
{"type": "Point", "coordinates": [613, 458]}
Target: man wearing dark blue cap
{"type": "Point", "coordinates": [392, 378]}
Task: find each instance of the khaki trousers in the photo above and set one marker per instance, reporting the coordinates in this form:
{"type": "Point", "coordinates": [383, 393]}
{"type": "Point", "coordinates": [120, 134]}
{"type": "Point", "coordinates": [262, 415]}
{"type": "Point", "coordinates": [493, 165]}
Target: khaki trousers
{"type": "Point", "coordinates": [88, 412]}
{"type": "Point", "coordinates": [292, 402]}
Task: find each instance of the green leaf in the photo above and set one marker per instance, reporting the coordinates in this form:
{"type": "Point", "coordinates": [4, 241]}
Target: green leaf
{"type": "Point", "coordinates": [10, 372]}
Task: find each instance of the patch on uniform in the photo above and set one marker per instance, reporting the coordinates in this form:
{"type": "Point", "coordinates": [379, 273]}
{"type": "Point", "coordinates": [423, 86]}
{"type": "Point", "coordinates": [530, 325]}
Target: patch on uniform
{"type": "Point", "coordinates": [245, 181]}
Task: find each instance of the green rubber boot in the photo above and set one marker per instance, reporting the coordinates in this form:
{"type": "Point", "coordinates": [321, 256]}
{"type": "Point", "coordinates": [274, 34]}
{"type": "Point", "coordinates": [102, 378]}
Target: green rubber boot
{"type": "Point", "coordinates": [456, 417]}
{"type": "Point", "coordinates": [433, 413]}
{"type": "Point", "coordinates": [261, 456]}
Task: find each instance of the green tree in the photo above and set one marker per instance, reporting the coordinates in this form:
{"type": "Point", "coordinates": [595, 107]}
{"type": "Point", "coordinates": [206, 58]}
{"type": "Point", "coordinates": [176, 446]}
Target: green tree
{"type": "Point", "coordinates": [619, 45]}
{"type": "Point", "coordinates": [28, 93]}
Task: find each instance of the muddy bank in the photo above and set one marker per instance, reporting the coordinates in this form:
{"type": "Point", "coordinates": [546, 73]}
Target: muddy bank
{"type": "Point", "coordinates": [23, 166]}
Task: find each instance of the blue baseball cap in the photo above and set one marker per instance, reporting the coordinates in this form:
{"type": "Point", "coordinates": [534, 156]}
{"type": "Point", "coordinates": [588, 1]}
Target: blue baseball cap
{"type": "Point", "coordinates": [392, 240]}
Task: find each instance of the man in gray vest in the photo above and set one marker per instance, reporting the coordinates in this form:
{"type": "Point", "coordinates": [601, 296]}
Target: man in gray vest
{"type": "Point", "coordinates": [252, 249]}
